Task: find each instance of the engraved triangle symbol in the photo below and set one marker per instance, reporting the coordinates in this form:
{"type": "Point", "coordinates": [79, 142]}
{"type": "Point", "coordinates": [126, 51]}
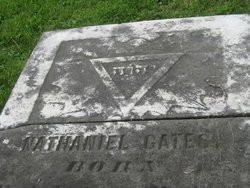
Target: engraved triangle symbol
{"type": "Point", "coordinates": [129, 78]}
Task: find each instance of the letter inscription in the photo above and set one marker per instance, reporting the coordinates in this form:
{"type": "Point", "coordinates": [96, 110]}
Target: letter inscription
{"type": "Point", "coordinates": [165, 141]}
{"type": "Point", "coordinates": [132, 69]}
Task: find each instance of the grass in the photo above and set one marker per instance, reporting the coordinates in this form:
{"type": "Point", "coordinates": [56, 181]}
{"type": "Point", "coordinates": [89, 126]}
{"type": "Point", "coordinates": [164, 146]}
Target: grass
{"type": "Point", "coordinates": [23, 21]}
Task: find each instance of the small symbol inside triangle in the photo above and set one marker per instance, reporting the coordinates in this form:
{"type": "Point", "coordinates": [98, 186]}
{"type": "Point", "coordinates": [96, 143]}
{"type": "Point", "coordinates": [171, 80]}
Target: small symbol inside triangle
{"type": "Point", "coordinates": [129, 78]}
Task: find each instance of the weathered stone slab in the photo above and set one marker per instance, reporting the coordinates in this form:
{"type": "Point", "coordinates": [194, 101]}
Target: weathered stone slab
{"type": "Point", "coordinates": [154, 104]}
{"type": "Point", "coordinates": [193, 67]}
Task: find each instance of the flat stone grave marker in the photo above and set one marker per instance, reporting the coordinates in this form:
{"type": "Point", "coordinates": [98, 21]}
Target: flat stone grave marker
{"type": "Point", "coordinates": [152, 104]}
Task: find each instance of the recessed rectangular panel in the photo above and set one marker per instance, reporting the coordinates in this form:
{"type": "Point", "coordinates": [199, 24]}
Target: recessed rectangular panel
{"type": "Point", "coordinates": [92, 81]}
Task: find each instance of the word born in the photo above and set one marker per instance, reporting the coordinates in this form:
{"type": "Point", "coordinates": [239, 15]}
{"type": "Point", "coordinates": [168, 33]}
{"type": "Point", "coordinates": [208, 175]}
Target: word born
{"type": "Point", "coordinates": [131, 69]}
{"type": "Point", "coordinates": [115, 167]}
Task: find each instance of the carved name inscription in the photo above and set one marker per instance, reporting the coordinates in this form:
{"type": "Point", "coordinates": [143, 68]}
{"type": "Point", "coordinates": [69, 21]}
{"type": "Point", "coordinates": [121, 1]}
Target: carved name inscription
{"type": "Point", "coordinates": [69, 143]}
{"type": "Point", "coordinates": [101, 142]}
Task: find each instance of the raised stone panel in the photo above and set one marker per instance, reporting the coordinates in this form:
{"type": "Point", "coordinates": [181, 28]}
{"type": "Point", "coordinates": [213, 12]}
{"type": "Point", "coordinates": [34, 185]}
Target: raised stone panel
{"type": "Point", "coordinates": [153, 104]}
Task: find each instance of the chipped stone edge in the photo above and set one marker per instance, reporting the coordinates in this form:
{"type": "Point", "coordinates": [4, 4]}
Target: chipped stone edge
{"type": "Point", "coordinates": [22, 99]}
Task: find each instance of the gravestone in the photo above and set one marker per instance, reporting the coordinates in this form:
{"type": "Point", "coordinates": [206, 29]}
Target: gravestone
{"type": "Point", "coordinates": [153, 104]}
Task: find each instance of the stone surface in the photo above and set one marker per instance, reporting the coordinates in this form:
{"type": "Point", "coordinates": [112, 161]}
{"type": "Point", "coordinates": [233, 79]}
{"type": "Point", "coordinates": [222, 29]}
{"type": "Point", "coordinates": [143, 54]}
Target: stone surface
{"type": "Point", "coordinates": [154, 104]}
{"type": "Point", "coordinates": [139, 154]}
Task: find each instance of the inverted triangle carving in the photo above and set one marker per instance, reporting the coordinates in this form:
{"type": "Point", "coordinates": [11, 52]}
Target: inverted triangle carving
{"type": "Point", "coordinates": [166, 61]}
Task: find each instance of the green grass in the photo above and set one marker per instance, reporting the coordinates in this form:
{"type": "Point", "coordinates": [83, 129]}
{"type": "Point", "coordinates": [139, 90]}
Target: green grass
{"type": "Point", "coordinates": [23, 21]}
